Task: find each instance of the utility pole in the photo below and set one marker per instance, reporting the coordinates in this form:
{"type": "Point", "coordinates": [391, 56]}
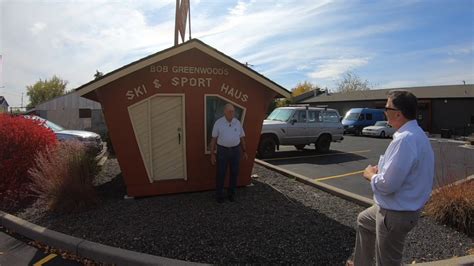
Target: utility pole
{"type": "Point", "coordinates": [21, 100]}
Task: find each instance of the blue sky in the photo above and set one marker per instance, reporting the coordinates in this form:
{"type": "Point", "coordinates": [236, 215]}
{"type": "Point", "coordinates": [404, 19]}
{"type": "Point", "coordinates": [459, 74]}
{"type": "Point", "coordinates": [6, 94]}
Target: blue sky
{"type": "Point", "coordinates": [389, 43]}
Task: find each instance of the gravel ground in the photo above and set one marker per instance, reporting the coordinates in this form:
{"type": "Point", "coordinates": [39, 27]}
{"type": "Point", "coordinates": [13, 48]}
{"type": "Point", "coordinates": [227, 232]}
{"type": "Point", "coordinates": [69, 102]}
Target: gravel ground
{"type": "Point", "coordinates": [275, 220]}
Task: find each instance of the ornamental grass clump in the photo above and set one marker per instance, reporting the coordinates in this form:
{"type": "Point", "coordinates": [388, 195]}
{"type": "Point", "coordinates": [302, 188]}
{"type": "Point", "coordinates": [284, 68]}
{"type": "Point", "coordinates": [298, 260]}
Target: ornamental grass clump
{"type": "Point", "coordinates": [453, 205]}
{"type": "Point", "coordinates": [63, 178]}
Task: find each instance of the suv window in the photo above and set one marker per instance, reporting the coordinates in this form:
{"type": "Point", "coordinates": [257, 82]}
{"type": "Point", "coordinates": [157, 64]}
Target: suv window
{"type": "Point", "coordinates": [361, 117]}
{"type": "Point", "coordinates": [330, 117]}
{"type": "Point", "coordinates": [313, 116]}
{"type": "Point", "coordinates": [368, 116]}
{"type": "Point", "coordinates": [280, 115]}
{"type": "Point", "coordinates": [301, 116]}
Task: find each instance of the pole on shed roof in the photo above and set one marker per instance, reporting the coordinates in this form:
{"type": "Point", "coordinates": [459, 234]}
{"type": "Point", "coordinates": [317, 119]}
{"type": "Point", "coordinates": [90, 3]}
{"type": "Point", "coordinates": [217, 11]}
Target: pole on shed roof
{"type": "Point", "coordinates": [176, 24]}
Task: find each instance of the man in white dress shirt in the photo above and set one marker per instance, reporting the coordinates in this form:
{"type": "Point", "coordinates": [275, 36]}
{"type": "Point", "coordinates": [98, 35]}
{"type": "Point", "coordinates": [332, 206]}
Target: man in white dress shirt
{"type": "Point", "coordinates": [401, 183]}
{"type": "Point", "coordinates": [229, 136]}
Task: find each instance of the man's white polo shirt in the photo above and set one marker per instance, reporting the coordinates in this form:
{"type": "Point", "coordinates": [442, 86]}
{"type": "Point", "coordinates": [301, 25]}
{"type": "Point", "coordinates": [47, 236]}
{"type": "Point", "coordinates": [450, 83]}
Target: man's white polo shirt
{"type": "Point", "coordinates": [228, 134]}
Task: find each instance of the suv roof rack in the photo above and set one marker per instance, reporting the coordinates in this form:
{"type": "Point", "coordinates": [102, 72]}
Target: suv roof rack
{"type": "Point", "coordinates": [299, 105]}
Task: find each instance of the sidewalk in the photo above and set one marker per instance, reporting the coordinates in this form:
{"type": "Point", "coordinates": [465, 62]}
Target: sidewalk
{"type": "Point", "coordinates": [15, 252]}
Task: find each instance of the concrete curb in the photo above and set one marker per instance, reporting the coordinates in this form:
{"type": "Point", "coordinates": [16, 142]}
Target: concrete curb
{"type": "Point", "coordinates": [463, 261]}
{"type": "Point", "coordinates": [363, 201]}
{"type": "Point", "coordinates": [460, 261]}
{"type": "Point", "coordinates": [83, 248]}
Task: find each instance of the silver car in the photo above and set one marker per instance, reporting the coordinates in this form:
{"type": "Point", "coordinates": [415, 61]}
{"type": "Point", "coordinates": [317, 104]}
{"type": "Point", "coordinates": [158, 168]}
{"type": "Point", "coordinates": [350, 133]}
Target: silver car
{"type": "Point", "coordinates": [380, 129]}
{"type": "Point", "coordinates": [92, 141]}
{"type": "Point", "coordinates": [300, 126]}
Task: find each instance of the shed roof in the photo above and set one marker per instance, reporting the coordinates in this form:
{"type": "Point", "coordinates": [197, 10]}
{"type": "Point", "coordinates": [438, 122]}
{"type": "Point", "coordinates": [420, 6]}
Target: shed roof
{"type": "Point", "coordinates": [192, 44]}
{"type": "Point", "coordinates": [427, 92]}
{"type": "Point", "coordinates": [3, 100]}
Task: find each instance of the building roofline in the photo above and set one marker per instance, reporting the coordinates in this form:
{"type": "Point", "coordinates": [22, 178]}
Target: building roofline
{"type": "Point", "coordinates": [422, 92]}
{"type": "Point", "coordinates": [169, 52]}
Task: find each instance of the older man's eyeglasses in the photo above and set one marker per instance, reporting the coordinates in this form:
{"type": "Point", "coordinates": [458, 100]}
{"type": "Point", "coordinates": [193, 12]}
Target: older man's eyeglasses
{"type": "Point", "coordinates": [390, 108]}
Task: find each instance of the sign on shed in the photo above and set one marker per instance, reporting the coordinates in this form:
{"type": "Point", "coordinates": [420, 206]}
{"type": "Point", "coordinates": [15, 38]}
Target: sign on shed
{"type": "Point", "coordinates": [160, 111]}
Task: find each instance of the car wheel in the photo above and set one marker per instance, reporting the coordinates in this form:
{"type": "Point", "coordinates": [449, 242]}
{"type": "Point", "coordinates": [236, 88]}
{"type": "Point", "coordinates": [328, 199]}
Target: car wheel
{"type": "Point", "coordinates": [382, 134]}
{"type": "Point", "coordinates": [266, 147]}
{"type": "Point", "coordinates": [300, 147]}
{"type": "Point", "coordinates": [323, 143]}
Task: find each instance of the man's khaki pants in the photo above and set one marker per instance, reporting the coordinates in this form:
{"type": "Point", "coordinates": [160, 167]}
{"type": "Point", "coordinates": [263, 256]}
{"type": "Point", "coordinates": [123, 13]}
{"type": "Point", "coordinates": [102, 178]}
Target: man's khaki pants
{"type": "Point", "coordinates": [381, 234]}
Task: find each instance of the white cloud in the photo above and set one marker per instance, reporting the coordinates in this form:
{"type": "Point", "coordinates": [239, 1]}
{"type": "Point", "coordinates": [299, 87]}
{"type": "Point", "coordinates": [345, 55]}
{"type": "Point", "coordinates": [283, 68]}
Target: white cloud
{"type": "Point", "coordinates": [78, 39]}
{"type": "Point", "coordinates": [333, 68]}
{"type": "Point", "coordinates": [239, 9]}
{"type": "Point", "coordinates": [288, 41]}
{"type": "Point", "coordinates": [38, 27]}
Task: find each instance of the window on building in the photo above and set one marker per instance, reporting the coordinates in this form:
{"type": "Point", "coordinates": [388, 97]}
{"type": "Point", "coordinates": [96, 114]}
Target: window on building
{"type": "Point", "coordinates": [215, 110]}
{"type": "Point", "coordinates": [85, 113]}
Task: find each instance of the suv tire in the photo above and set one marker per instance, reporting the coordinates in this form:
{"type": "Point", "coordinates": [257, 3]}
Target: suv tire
{"type": "Point", "coordinates": [266, 148]}
{"type": "Point", "coordinates": [323, 143]}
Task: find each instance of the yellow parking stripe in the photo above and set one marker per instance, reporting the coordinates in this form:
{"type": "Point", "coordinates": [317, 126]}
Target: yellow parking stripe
{"type": "Point", "coordinates": [336, 176]}
{"type": "Point", "coordinates": [319, 155]}
{"type": "Point", "coordinates": [45, 259]}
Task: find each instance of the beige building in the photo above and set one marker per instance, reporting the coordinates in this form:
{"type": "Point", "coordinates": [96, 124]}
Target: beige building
{"type": "Point", "coordinates": [73, 112]}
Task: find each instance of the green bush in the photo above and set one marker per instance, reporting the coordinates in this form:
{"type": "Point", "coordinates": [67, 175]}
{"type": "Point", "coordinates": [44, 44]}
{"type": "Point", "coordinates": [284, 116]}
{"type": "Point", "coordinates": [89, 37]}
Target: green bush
{"type": "Point", "coordinates": [63, 177]}
{"type": "Point", "coordinates": [453, 205]}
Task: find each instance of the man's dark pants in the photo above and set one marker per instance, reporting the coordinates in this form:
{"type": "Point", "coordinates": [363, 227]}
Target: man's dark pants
{"type": "Point", "coordinates": [227, 157]}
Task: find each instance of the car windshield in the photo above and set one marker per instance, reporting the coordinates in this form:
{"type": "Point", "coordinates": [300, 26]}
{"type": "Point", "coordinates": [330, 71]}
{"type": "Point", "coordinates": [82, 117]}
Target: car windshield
{"type": "Point", "coordinates": [53, 126]}
{"type": "Point", "coordinates": [352, 116]}
{"type": "Point", "coordinates": [381, 123]}
{"type": "Point", "coordinates": [280, 115]}
{"type": "Point", "coordinates": [47, 123]}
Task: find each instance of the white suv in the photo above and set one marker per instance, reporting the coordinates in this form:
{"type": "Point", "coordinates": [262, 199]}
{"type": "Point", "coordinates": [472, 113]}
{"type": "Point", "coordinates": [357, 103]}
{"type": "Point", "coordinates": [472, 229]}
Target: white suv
{"type": "Point", "coordinates": [300, 126]}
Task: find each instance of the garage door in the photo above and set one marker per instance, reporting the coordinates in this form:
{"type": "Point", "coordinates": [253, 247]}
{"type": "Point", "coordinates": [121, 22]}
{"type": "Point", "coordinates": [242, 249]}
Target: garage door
{"type": "Point", "coordinates": [158, 123]}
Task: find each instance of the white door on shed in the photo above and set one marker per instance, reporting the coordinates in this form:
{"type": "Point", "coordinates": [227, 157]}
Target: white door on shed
{"type": "Point", "coordinates": [162, 137]}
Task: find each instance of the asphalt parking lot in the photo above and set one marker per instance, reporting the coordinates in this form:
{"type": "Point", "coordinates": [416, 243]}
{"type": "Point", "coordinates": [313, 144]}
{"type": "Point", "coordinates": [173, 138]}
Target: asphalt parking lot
{"type": "Point", "coordinates": [342, 167]}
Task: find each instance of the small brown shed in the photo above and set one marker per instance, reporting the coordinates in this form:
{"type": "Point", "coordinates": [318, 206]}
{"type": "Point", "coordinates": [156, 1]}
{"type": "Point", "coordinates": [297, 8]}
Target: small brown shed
{"type": "Point", "coordinates": [160, 111]}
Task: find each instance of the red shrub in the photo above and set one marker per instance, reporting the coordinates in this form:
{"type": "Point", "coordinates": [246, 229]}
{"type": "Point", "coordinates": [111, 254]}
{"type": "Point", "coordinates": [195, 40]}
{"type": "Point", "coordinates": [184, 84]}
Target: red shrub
{"type": "Point", "coordinates": [20, 140]}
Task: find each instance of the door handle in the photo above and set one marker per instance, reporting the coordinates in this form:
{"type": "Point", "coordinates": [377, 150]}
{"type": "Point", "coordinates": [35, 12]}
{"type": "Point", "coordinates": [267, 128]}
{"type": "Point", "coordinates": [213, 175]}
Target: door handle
{"type": "Point", "coordinates": [179, 138]}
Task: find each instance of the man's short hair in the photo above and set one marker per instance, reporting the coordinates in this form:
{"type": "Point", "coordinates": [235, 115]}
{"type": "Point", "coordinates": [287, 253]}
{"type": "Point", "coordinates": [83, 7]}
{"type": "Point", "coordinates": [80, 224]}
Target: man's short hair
{"type": "Point", "coordinates": [228, 106]}
{"type": "Point", "coordinates": [404, 101]}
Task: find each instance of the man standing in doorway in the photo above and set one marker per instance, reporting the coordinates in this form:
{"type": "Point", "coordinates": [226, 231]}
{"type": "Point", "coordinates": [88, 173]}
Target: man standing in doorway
{"type": "Point", "coordinates": [401, 183]}
{"type": "Point", "coordinates": [229, 136]}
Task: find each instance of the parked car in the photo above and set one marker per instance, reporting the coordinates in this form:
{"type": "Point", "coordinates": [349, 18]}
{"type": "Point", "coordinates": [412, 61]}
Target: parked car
{"type": "Point", "coordinates": [91, 140]}
{"type": "Point", "coordinates": [300, 126]}
{"type": "Point", "coordinates": [358, 118]}
{"type": "Point", "coordinates": [380, 129]}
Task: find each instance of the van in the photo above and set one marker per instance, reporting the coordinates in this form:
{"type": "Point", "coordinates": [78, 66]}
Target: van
{"type": "Point", "coordinates": [358, 118]}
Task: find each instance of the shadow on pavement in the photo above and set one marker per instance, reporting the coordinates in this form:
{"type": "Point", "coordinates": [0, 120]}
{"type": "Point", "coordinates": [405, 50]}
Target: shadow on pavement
{"type": "Point", "coordinates": [313, 157]}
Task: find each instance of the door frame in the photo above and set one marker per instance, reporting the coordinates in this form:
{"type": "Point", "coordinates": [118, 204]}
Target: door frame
{"type": "Point", "coordinates": [244, 111]}
{"type": "Point", "coordinates": [148, 100]}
